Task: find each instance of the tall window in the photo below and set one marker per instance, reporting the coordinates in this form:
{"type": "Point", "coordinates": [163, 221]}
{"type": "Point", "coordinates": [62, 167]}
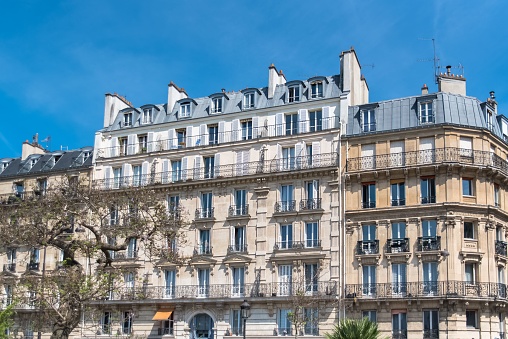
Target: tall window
{"type": "Point", "coordinates": [213, 134]}
{"type": "Point", "coordinates": [496, 195]}
{"type": "Point", "coordinates": [429, 228]}
{"type": "Point", "coordinates": [312, 234]}
{"type": "Point", "coordinates": [114, 218]}
{"type": "Point", "coordinates": [470, 273]}
{"type": "Point", "coordinates": [284, 326]}
{"type": "Point", "coordinates": [399, 279]}
{"type": "Point", "coordinates": [206, 205]}
{"type": "Point", "coordinates": [236, 322]}
{"type": "Point", "coordinates": [399, 325]}
{"type": "Point", "coordinates": [311, 317]}
{"type": "Point", "coordinates": [128, 279]}
{"type": "Point", "coordinates": [185, 110]}
{"type": "Point", "coordinates": [203, 282]}
{"type": "Point", "coordinates": [315, 121]}
{"type": "Point", "coordinates": [471, 319]}
{"type": "Point", "coordinates": [106, 323]}
{"type": "Point", "coordinates": [285, 279]}
{"type": "Point", "coordinates": [136, 175]}
{"type": "Point", "coordinates": [294, 93]}
{"type": "Point", "coordinates": [369, 120]}
{"type": "Point", "coordinates": [240, 202]}
{"type": "Point", "coordinates": [369, 195]}
{"type": "Point", "coordinates": [249, 100]}
{"type": "Point", "coordinates": [428, 190]}
{"type": "Point", "coordinates": [467, 187]}
{"type": "Point", "coordinates": [311, 277]}
{"type": "Point", "coordinates": [369, 243]}
{"type": "Point", "coordinates": [312, 194]}
{"type": "Point", "coordinates": [132, 251]}
{"type": "Point", "coordinates": [180, 137]}
{"type": "Point", "coordinates": [288, 158]}
{"type": "Point", "coordinates": [398, 230]}
{"type": "Point", "coordinates": [246, 129]}
{"type": "Point", "coordinates": [147, 116]}
{"type": "Point", "coordinates": [239, 244]}
{"type": "Point", "coordinates": [117, 177]}
{"type": "Point", "coordinates": [369, 280]}
{"type": "Point", "coordinates": [127, 119]}
{"type": "Point", "coordinates": [122, 144]}
{"type": "Point", "coordinates": [209, 167]}
{"type": "Point", "coordinates": [469, 232]}
{"type": "Point", "coordinates": [426, 113]}
{"type": "Point", "coordinates": [429, 277]}
{"type": "Point", "coordinates": [291, 124]}
{"type": "Point", "coordinates": [142, 143]}
{"type": "Point", "coordinates": [398, 191]}
{"type": "Point", "coordinates": [217, 105]}
{"type": "Point", "coordinates": [287, 202]}
{"type": "Point", "coordinates": [204, 242]}
{"type": "Point", "coordinates": [176, 170]}
{"type": "Point", "coordinates": [430, 324]}
{"type": "Point", "coordinates": [127, 323]}
{"type": "Point", "coordinates": [286, 236]}
{"type": "Point", "coordinates": [238, 275]}
{"type": "Point", "coordinates": [169, 283]}
{"type": "Point", "coordinates": [316, 89]}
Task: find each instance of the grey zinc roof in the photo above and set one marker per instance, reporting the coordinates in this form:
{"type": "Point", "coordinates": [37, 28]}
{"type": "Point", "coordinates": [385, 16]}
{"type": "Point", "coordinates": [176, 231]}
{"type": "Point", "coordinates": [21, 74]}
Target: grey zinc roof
{"type": "Point", "coordinates": [232, 105]}
{"type": "Point", "coordinates": [68, 160]}
{"type": "Point", "coordinates": [403, 113]}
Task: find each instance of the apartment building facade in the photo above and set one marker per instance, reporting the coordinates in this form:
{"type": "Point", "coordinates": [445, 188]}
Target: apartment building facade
{"type": "Point", "coordinates": [426, 214]}
{"type": "Point", "coordinates": [254, 175]}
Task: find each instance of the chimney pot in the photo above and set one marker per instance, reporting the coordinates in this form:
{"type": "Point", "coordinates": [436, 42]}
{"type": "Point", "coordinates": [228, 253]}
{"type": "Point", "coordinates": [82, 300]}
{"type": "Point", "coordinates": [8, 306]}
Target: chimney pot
{"type": "Point", "coordinates": [425, 89]}
{"type": "Point", "coordinates": [448, 69]}
{"type": "Point", "coordinates": [492, 95]}
{"type": "Point", "coordinates": [223, 90]}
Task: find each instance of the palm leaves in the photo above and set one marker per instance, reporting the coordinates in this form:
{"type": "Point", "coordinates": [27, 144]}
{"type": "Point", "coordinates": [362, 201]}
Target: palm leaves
{"type": "Point", "coordinates": [354, 329]}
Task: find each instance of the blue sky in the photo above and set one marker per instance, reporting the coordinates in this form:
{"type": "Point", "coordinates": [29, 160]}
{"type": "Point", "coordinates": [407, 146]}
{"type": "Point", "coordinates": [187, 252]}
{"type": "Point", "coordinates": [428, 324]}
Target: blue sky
{"type": "Point", "coordinates": [59, 58]}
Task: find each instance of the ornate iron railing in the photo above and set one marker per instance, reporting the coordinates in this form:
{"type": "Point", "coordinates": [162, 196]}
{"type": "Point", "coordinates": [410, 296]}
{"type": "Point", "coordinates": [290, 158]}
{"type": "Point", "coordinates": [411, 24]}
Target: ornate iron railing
{"type": "Point", "coordinates": [429, 244]}
{"type": "Point", "coordinates": [204, 213]}
{"type": "Point", "coordinates": [285, 206]}
{"type": "Point", "coordinates": [310, 204]}
{"type": "Point", "coordinates": [452, 288]}
{"type": "Point", "coordinates": [367, 247]}
{"type": "Point", "coordinates": [237, 248]}
{"type": "Point", "coordinates": [399, 334]}
{"type": "Point", "coordinates": [32, 266]}
{"type": "Point", "coordinates": [397, 245]}
{"type": "Point", "coordinates": [203, 249]}
{"type": "Point", "coordinates": [425, 157]}
{"type": "Point", "coordinates": [10, 267]}
{"type": "Point", "coordinates": [203, 140]}
{"type": "Point", "coordinates": [431, 333]}
{"type": "Point", "coordinates": [126, 255]}
{"type": "Point", "coordinates": [501, 247]}
{"type": "Point", "coordinates": [238, 210]}
{"type": "Point", "coordinates": [220, 171]}
{"type": "Point", "coordinates": [255, 290]}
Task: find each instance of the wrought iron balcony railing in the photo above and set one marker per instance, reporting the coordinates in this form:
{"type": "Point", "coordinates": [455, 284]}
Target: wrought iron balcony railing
{"type": "Point", "coordinates": [367, 247]}
{"type": "Point", "coordinates": [32, 266]}
{"type": "Point", "coordinates": [203, 249]}
{"type": "Point", "coordinates": [325, 289]}
{"type": "Point", "coordinates": [237, 248]}
{"type": "Point", "coordinates": [397, 245]}
{"type": "Point", "coordinates": [285, 206]}
{"type": "Point", "coordinates": [451, 289]}
{"type": "Point", "coordinates": [297, 245]}
{"type": "Point", "coordinates": [431, 333]}
{"type": "Point", "coordinates": [238, 210]}
{"type": "Point", "coordinates": [165, 331]}
{"type": "Point", "coordinates": [399, 334]}
{"type": "Point", "coordinates": [430, 199]}
{"type": "Point", "coordinates": [501, 247]}
{"type": "Point", "coordinates": [126, 255]}
{"type": "Point", "coordinates": [398, 202]}
{"type": "Point", "coordinates": [425, 157]}
{"type": "Point", "coordinates": [204, 213]}
{"type": "Point", "coordinates": [310, 204]}
{"type": "Point", "coordinates": [222, 171]}
{"type": "Point", "coordinates": [429, 244]}
{"type": "Point", "coordinates": [10, 267]}
{"type": "Point", "coordinates": [368, 204]}
{"type": "Point", "coordinates": [203, 140]}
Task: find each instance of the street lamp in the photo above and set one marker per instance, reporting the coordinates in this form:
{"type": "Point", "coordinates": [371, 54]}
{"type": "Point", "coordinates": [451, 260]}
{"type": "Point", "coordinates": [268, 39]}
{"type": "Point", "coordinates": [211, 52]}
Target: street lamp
{"type": "Point", "coordinates": [245, 311]}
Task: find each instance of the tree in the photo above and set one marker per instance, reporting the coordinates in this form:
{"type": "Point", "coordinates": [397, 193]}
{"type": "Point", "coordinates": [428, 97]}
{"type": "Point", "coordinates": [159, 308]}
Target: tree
{"type": "Point", "coordinates": [6, 320]}
{"type": "Point", "coordinates": [88, 225]}
{"type": "Point", "coordinates": [354, 329]}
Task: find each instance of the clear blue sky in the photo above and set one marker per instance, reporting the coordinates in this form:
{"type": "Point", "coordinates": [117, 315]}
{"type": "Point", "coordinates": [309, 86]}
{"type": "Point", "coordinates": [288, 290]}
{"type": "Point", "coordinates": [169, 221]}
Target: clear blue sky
{"type": "Point", "coordinates": [59, 58]}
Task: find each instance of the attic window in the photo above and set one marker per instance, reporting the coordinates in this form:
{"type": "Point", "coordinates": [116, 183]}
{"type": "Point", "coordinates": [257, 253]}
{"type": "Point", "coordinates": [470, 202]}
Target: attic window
{"type": "Point", "coordinates": [33, 162]}
{"type": "Point", "coordinates": [147, 116]}
{"type": "Point", "coordinates": [185, 110]}
{"type": "Point", "coordinates": [217, 105]}
{"type": "Point", "coordinates": [249, 100]}
{"type": "Point", "coordinates": [294, 93]}
{"type": "Point", "coordinates": [3, 166]}
{"type": "Point", "coordinates": [426, 112]}
{"type": "Point", "coordinates": [316, 89]}
{"type": "Point", "coordinates": [127, 120]}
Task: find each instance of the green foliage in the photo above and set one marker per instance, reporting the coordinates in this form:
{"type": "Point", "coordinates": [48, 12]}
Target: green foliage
{"type": "Point", "coordinates": [355, 329]}
{"type": "Point", "coordinates": [6, 320]}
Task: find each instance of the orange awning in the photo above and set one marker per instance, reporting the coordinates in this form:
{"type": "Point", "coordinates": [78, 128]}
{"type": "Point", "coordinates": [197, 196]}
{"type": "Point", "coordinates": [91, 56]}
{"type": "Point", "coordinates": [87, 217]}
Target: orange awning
{"type": "Point", "coordinates": [162, 314]}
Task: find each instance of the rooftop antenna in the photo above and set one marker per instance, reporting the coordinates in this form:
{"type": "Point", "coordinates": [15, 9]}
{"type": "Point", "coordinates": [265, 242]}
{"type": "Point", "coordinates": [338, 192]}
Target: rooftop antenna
{"type": "Point", "coordinates": [47, 141]}
{"type": "Point", "coordinates": [435, 59]}
{"type": "Point", "coordinates": [64, 148]}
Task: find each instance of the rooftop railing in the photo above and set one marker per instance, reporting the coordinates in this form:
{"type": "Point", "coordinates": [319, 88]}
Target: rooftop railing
{"type": "Point", "coordinates": [451, 289]}
{"type": "Point", "coordinates": [222, 171]}
{"type": "Point", "coordinates": [214, 138]}
{"type": "Point", "coordinates": [425, 157]}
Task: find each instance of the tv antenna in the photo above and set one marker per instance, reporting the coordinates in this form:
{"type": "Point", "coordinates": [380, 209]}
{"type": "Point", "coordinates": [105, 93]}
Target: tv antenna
{"type": "Point", "coordinates": [435, 59]}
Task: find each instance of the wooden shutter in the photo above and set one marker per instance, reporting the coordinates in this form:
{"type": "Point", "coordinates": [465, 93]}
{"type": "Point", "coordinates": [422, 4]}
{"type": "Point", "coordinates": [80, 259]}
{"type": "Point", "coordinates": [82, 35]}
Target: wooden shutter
{"type": "Point", "coordinates": [172, 142]}
{"type": "Point", "coordinates": [198, 161]}
{"type": "Point", "coordinates": [131, 144]}
{"type": "Point", "coordinates": [279, 124]}
{"type": "Point", "coordinates": [165, 171]}
{"type": "Point", "coordinates": [145, 168]}
{"type": "Point", "coordinates": [222, 130]}
{"type": "Point", "coordinates": [326, 118]}
{"type": "Point", "coordinates": [217, 165]}
{"type": "Point", "coordinates": [303, 118]}
{"type": "Point", "coordinates": [316, 154]}
{"type": "Point", "coordinates": [150, 147]}
{"type": "Point", "coordinates": [235, 130]}
{"type": "Point", "coordinates": [185, 167]}
{"type": "Point", "coordinates": [188, 134]}
{"type": "Point", "coordinates": [203, 134]}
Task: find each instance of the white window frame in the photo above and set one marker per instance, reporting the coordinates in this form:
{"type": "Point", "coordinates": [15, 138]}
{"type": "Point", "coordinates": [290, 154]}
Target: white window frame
{"type": "Point", "coordinates": [249, 100]}
{"type": "Point", "coordinates": [368, 120]}
{"type": "Point", "coordinates": [317, 89]}
{"type": "Point", "coordinates": [185, 110]}
{"type": "Point", "coordinates": [295, 96]}
{"type": "Point", "coordinates": [426, 112]}
{"type": "Point", "coordinates": [147, 116]}
{"type": "Point", "coordinates": [127, 119]}
{"type": "Point", "coordinates": [217, 105]}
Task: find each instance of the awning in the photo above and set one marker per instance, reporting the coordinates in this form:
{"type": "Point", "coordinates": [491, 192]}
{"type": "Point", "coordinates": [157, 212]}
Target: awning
{"type": "Point", "coordinates": [162, 314]}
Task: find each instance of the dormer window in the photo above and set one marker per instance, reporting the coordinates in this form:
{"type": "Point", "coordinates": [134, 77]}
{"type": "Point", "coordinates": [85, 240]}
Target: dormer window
{"type": "Point", "coordinates": [3, 166]}
{"type": "Point", "coordinates": [127, 119]}
{"type": "Point", "coordinates": [426, 113]}
{"type": "Point", "coordinates": [217, 105]}
{"type": "Point", "coordinates": [249, 100]}
{"type": "Point", "coordinates": [33, 162]}
{"type": "Point", "coordinates": [488, 118]}
{"type": "Point", "coordinates": [316, 89]}
{"type": "Point", "coordinates": [147, 116]}
{"type": "Point", "coordinates": [368, 120]}
{"type": "Point", "coordinates": [294, 94]}
{"type": "Point", "coordinates": [185, 110]}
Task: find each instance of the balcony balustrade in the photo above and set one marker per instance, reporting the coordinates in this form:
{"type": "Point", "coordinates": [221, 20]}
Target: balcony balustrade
{"type": "Point", "coordinates": [426, 244]}
{"type": "Point", "coordinates": [204, 213]}
{"type": "Point", "coordinates": [426, 157]}
{"type": "Point", "coordinates": [10, 267]}
{"type": "Point", "coordinates": [285, 206]}
{"type": "Point", "coordinates": [165, 331]}
{"type": "Point", "coordinates": [297, 245]}
{"type": "Point", "coordinates": [501, 247]}
{"type": "Point", "coordinates": [126, 255]}
{"type": "Point", "coordinates": [196, 141]}
{"type": "Point", "coordinates": [238, 210]}
{"type": "Point", "coordinates": [310, 204]}
{"type": "Point", "coordinates": [397, 245]}
{"type": "Point", "coordinates": [399, 334]}
{"type": "Point", "coordinates": [450, 289]}
{"type": "Point", "coordinates": [325, 289]}
{"type": "Point", "coordinates": [204, 249]}
{"type": "Point", "coordinates": [367, 247]}
{"type": "Point", "coordinates": [323, 160]}
{"type": "Point", "coordinates": [431, 333]}
{"type": "Point", "coordinates": [32, 266]}
{"type": "Point", "coordinates": [237, 248]}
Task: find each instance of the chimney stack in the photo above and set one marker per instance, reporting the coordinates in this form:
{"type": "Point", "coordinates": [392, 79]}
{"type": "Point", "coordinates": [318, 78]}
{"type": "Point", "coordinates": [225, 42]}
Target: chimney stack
{"type": "Point", "coordinates": [274, 78]}
{"type": "Point", "coordinates": [175, 93]}
{"type": "Point", "coordinates": [451, 83]}
{"type": "Point", "coordinates": [425, 89]}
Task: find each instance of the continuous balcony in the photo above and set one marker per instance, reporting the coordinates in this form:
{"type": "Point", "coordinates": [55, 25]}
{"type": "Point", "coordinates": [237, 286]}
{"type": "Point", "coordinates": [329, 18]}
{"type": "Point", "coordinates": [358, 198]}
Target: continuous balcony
{"type": "Point", "coordinates": [214, 139]}
{"type": "Point", "coordinates": [222, 171]}
{"type": "Point", "coordinates": [220, 291]}
{"type": "Point", "coordinates": [501, 248]}
{"type": "Point", "coordinates": [397, 245]}
{"type": "Point", "coordinates": [450, 289]}
{"type": "Point", "coordinates": [426, 244]}
{"type": "Point", "coordinates": [427, 157]}
{"type": "Point", "coordinates": [297, 245]}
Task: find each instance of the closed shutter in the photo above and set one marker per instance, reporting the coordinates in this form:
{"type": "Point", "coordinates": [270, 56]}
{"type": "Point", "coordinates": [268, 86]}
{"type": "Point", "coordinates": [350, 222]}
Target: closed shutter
{"type": "Point", "coordinates": [303, 118]}
{"type": "Point", "coordinates": [397, 153]}
{"type": "Point", "coordinates": [426, 151]}
{"type": "Point", "coordinates": [172, 142]}
{"type": "Point", "coordinates": [127, 175]}
{"type": "Point", "coordinates": [185, 167]}
{"type": "Point", "coordinates": [145, 167]}
{"type": "Point", "coordinates": [279, 157]}
{"type": "Point", "coordinates": [203, 134]}
{"type": "Point", "coordinates": [239, 163]}
{"type": "Point", "coordinates": [165, 171]}
{"type": "Point", "coordinates": [327, 123]}
{"type": "Point", "coordinates": [368, 156]}
{"type": "Point", "coordinates": [108, 171]}
{"type": "Point", "coordinates": [466, 146]}
{"type": "Point", "coordinates": [131, 144]}
{"type": "Point", "coordinates": [217, 165]}
{"type": "Point", "coordinates": [256, 131]}
{"type": "Point", "coordinates": [316, 154]}
{"type": "Point", "coordinates": [279, 124]}
{"type": "Point", "coordinates": [222, 130]}
{"type": "Point", "coordinates": [198, 161]}
{"type": "Point", "coordinates": [150, 147]}
{"type": "Point", "coordinates": [426, 144]}
{"type": "Point", "coordinates": [188, 134]}
{"type": "Point", "coordinates": [235, 130]}
{"type": "Point", "coordinates": [115, 150]}
{"type": "Point", "coordinates": [299, 154]}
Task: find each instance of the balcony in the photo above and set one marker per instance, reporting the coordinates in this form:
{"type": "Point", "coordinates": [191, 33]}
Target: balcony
{"type": "Point", "coordinates": [325, 289]}
{"type": "Point", "coordinates": [310, 204]}
{"type": "Point", "coordinates": [297, 245]}
{"type": "Point", "coordinates": [398, 202]}
{"type": "Point", "coordinates": [285, 206]}
{"type": "Point", "coordinates": [126, 255]}
{"type": "Point", "coordinates": [426, 157]}
{"type": "Point", "coordinates": [238, 210]}
{"type": "Point", "coordinates": [165, 331]}
{"type": "Point", "coordinates": [204, 249]}
{"type": "Point", "coordinates": [501, 248]}
{"type": "Point", "coordinates": [426, 244]}
{"type": "Point", "coordinates": [323, 160]}
{"type": "Point", "coordinates": [199, 141]}
{"type": "Point", "coordinates": [399, 334]}
{"type": "Point", "coordinates": [10, 267]}
{"type": "Point", "coordinates": [237, 248]}
{"type": "Point", "coordinates": [368, 204]}
{"type": "Point", "coordinates": [431, 334]}
{"type": "Point", "coordinates": [450, 289]}
{"type": "Point", "coordinates": [428, 200]}
{"type": "Point", "coordinates": [33, 266]}
{"type": "Point", "coordinates": [367, 247]}
{"type": "Point", "coordinates": [397, 245]}
{"type": "Point", "coordinates": [204, 213]}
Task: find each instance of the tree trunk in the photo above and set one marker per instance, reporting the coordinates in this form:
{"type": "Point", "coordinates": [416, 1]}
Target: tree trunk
{"type": "Point", "coordinates": [61, 333]}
